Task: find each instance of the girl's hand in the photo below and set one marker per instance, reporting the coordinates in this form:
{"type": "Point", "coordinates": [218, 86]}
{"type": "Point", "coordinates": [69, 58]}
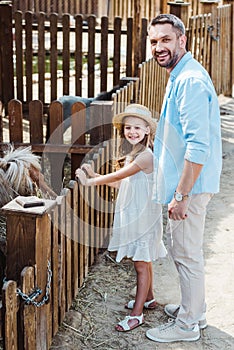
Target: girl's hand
{"type": "Point", "coordinates": [80, 174]}
{"type": "Point", "coordinates": [89, 170]}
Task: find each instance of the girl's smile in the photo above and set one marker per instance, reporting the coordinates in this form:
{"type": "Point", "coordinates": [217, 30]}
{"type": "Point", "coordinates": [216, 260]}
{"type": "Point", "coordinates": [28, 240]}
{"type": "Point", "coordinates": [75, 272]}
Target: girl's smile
{"type": "Point", "coordinates": [135, 130]}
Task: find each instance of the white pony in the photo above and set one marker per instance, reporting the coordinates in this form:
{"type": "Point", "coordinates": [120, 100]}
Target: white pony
{"type": "Point", "coordinates": [20, 174]}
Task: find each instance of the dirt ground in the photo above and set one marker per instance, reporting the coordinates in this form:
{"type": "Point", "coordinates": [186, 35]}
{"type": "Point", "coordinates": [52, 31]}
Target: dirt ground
{"type": "Point", "coordinates": [99, 306]}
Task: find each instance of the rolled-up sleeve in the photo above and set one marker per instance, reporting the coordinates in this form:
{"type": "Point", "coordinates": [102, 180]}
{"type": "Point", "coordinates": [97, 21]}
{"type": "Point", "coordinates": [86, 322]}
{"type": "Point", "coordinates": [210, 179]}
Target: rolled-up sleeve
{"type": "Point", "coordinates": [193, 108]}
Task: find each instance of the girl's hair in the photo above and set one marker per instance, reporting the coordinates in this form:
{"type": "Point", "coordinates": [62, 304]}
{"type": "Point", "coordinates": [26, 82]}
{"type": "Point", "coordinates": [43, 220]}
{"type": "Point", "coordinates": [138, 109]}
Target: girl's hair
{"type": "Point", "coordinates": [127, 150]}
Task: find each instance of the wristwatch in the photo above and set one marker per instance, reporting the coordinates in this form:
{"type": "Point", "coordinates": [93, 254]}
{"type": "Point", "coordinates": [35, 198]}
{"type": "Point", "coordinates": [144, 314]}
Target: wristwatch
{"type": "Point", "coordinates": [180, 197]}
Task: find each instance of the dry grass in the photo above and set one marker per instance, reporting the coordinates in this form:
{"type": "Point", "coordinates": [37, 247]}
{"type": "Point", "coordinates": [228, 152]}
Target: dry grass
{"type": "Point", "coordinates": [100, 305]}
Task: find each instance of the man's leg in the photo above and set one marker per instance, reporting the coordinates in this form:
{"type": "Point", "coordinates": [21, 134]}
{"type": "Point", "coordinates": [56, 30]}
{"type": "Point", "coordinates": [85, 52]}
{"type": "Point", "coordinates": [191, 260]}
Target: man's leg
{"type": "Point", "coordinates": [186, 247]}
{"type": "Point", "coordinates": [185, 244]}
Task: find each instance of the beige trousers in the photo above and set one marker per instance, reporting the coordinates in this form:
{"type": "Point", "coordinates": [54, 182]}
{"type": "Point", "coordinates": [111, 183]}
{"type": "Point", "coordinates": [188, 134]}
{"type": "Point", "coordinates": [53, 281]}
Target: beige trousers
{"type": "Point", "coordinates": [185, 244]}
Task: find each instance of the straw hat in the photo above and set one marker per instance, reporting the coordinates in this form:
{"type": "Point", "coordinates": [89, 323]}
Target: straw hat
{"type": "Point", "coordinates": [135, 110]}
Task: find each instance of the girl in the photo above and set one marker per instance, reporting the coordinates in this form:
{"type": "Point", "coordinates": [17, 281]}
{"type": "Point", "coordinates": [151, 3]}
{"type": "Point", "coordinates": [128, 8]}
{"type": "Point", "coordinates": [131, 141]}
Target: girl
{"type": "Point", "coordinates": [137, 228]}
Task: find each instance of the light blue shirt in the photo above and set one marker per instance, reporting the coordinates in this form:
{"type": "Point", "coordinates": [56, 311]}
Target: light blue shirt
{"type": "Point", "coordinates": [189, 128]}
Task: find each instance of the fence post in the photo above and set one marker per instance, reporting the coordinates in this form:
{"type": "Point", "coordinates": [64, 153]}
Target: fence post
{"type": "Point", "coordinates": [208, 6]}
{"type": "Point", "coordinates": [6, 54]}
{"type": "Point", "coordinates": [232, 44]}
{"type": "Point", "coordinates": [181, 10]}
{"type": "Point", "coordinates": [29, 244]}
{"type": "Point", "coordinates": [100, 122]}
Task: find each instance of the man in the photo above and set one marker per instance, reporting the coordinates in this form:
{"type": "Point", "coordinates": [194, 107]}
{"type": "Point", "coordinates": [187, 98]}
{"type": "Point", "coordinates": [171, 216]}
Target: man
{"type": "Point", "coordinates": [188, 160]}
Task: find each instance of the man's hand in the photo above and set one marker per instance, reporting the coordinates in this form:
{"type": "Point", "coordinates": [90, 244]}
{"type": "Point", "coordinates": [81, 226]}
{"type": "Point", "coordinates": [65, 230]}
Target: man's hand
{"type": "Point", "coordinates": [177, 210]}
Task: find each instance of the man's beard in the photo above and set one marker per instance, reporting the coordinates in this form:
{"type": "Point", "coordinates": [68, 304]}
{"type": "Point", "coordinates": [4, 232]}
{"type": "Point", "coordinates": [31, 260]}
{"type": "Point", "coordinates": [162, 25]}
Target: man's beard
{"type": "Point", "coordinates": [170, 63]}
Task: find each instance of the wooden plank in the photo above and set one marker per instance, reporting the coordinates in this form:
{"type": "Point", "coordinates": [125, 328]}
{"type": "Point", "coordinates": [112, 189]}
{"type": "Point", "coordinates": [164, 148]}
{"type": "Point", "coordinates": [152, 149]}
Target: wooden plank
{"type": "Point", "coordinates": [10, 315]}
{"type": "Point", "coordinates": [232, 50]}
{"type": "Point", "coordinates": [144, 34]}
{"type": "Point", "coordinates": [117, 50]}
{"type": "Point", "coordinates": [104, 53]}
{"type": "Point", "coordinates": [78, 54]}
{"type": "Point", "coordinates": [68, 228]}
{"type": "Point", "coordinates": [79, 128]}
{"type": "Point", "coordinates": [36, 121]}
{"type": "Point", "coordinates": [41, 56]}
{"type": "Point", "coordinates": [100, 122]}
{"type": "Point", "coordinates": [6, 40]}
{"type": "Point", "coordinates": [129, 67]}
{"type": "Point", "coordinates": [92, 192]}
{"type": "Point", "coordinates": [98, 238]}
{"type": "Point", "coordinates": [19, 54]}
{"type": "Point", "coordinates": [62, 260]}
{"type": "Point", "coordinates": [1, 122]}
{"type": "Point", "coordinates": [1, 321]}
{"type": "Point", "coordinates": [81, 234]}
{"type": "Point", "coordinates": [91, 55]}
{"type": "Point", "coordinates": [55, 270]}
{"type": "Point", "coordinates": [28, 55]}
{"type": "Point", "coordinates": [42, 257]}
{"type": "Point", "coordinates": [53, 55]}
{"type": "Point", "coordinates": [15, 121]}
{"type": "Point", "coordinates": [86, 231]}
{"type": "Point", "coordinates": [56, 137]}
{"type": "Point", "coordinates": [108, 193]}
{"type": "Point", "coordinates": [73, 185]}
{"type": "Point", "coordinates": [96, 204]}
{"type": "Point", "coordinates": [102, 196]}
{"type": "Point", "coordinates": [28, 311]}
{"type": "Point", "coordinates": [66, 53]}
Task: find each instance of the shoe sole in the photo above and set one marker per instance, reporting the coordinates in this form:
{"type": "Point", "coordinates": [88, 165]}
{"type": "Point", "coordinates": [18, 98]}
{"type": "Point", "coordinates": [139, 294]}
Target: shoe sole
{"type": "Point", "coordinates": [202, 324]}
{"type": "Point", "coordinates": [145, 307]}
{"type": "Point", "coordinates": [171, 340]}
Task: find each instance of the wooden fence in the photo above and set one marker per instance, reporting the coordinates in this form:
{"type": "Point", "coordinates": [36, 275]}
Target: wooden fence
{"type": "Point", "coordinates": [210, 39]}
{"type": "Point", "coordinates": [99, 8]}
{"type": "Point", "coordinates": [73, 7]}
{"type": "Point", "coordinates": [49, 251]}
{"type": "Point", "coordinates": [85, 60]}
{"type": "Point", "coordinates": [111, 8]}
{"type": "Point", "coordinates": [48, 59]}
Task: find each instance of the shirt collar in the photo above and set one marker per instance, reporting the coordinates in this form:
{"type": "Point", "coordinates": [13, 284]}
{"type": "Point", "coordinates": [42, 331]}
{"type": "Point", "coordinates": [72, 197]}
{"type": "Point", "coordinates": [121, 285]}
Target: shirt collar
{"type": "Point", "coordinates": [176, 70]}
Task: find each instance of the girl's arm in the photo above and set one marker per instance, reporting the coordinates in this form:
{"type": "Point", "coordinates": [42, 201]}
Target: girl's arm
{"type": "Point", "coordinates": [107, 179]}
{"type": "Point", "coordinates": [89, 170]}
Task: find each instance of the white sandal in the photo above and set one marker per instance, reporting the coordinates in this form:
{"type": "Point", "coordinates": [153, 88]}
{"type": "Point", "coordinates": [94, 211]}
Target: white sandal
{"type": "Point", "coordinates": [131, 303]}
{"type": "Point", "coordinates": [125, 326]}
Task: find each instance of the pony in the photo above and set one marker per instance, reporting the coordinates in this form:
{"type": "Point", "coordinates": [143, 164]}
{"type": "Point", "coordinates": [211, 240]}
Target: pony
{"type": "Point", "coordinates": [20, 174]}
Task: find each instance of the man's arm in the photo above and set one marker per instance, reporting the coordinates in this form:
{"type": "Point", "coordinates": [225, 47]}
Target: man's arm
{"type": "Point", "coordinates": [191, 171]}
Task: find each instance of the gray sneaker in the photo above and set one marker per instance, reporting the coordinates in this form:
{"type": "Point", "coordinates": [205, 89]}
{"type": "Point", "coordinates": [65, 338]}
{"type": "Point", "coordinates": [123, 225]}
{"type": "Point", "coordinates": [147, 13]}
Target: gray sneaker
{"type": "Point", "coordinates": [171, 332]}
{"type": "Point", "coordinates": [172, 311]}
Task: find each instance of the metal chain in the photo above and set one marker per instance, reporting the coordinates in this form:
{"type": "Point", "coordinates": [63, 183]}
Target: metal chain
{"type": "Point", "coordinates": [30, 299]}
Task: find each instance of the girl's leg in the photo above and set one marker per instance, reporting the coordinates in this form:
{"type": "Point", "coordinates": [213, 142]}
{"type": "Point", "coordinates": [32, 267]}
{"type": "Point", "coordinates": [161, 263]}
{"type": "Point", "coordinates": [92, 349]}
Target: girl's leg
{"type": "Point", "coordinates": [143, 285]}
{"type": "Point", "coordinates": [150, 294]}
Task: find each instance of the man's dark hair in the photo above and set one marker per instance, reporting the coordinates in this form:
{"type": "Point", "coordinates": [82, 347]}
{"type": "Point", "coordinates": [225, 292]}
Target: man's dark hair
{"type": "Point", "coordinates": [176, 22]}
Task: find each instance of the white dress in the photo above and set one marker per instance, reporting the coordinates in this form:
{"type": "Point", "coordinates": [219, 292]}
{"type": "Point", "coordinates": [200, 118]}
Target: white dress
{"type": "Point", "coordinates": [137, 229]}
